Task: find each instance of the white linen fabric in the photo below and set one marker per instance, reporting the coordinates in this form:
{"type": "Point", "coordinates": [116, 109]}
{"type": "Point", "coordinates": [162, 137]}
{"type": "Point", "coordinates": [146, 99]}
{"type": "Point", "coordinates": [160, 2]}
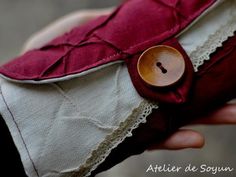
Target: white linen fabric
{"type": "Point", "coordinates": [68, 128]}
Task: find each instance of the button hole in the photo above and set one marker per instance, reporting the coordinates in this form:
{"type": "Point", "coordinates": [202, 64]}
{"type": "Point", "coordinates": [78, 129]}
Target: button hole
{"type": "Point", "coordinates": [164, 71]}
{"type": "Point", "coordinates": [159, 65]}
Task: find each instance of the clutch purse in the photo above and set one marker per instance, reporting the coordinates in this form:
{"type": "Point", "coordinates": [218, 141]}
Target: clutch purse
{"type": "Point", "coordinates": [110, 88]}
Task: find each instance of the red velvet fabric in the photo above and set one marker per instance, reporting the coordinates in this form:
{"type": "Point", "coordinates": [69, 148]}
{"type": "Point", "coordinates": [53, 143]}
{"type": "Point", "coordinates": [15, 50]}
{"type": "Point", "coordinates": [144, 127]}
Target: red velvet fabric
{"type": "Point", "coordinates": [135, 26]}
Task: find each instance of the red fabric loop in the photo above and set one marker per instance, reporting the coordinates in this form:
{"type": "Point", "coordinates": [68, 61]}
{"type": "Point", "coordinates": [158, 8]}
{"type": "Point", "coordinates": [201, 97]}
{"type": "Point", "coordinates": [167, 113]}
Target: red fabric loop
{"type": "Point", "coordinates": [175, 94]}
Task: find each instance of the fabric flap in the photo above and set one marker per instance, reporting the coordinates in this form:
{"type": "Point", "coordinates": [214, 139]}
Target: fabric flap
{"type": "Point", "coordinates": [133, 27]}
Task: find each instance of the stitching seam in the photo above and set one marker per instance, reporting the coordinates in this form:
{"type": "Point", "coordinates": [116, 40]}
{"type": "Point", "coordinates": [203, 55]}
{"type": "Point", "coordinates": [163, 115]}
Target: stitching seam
{"type": "Point", "coordinates": [13, 118]}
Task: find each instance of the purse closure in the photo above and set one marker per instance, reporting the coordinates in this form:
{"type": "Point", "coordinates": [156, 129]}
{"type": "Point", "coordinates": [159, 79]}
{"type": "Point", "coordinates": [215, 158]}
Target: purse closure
{"type": "Point", "coordinates": [172, 87]}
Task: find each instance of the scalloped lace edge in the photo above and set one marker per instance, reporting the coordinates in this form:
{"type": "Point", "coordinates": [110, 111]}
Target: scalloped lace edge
{"type": "Point", "coordinates": [99, 154]}
{"type": "Point", "coordinates": [214, 41]}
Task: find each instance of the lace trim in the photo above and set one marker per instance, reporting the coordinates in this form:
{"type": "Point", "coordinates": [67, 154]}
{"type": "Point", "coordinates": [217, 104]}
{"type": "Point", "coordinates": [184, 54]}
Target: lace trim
{"type": "Point", "coordinates": [202, 53]}
{"type": "Point", "coordinates": [125, 129]}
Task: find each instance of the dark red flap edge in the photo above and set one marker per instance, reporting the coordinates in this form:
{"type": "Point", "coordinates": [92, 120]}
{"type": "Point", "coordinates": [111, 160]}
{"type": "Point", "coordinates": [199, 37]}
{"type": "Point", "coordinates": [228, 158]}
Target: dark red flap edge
{"type": "Point", "coordinates": [105, 41]}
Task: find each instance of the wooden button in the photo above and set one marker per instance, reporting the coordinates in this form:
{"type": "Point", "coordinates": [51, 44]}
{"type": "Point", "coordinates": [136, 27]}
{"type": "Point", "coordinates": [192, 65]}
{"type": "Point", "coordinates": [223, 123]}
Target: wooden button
{"type": "Point", "coordinates": [161, 66]}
